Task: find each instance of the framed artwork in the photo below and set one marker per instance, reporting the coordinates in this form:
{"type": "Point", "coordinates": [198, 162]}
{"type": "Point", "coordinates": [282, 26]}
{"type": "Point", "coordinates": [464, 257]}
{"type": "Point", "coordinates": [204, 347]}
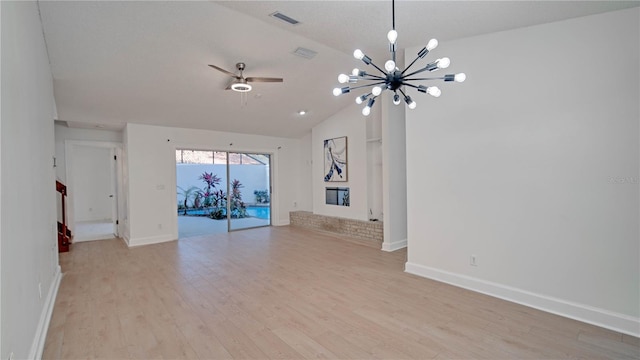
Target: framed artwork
{"type": "Point", "coordinates": [335, 159]}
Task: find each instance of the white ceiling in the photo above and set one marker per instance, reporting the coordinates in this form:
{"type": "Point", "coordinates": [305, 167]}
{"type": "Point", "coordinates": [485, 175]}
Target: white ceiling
{"type": "Point", "coordinates": [146, 62]}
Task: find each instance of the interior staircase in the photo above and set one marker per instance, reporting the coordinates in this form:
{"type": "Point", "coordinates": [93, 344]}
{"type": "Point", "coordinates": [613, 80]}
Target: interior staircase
{"type": "Point", "coordinates": [64, 234]}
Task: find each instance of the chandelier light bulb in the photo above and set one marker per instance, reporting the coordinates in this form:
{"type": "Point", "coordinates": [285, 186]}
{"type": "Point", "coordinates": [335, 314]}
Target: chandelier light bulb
{"type": "Point", "coordinates": [355, 72]}
{"type": "Point", "coordinates": [433, 43]}
{"type": "Point", "coordinates": [377, 90]}
{"type": "Point", "coordinates": [434, 91]}
{"type": "Point", "coordinates": [359, 100]}
{"type": "Point", "coordinates": [461, 77]}
{"type": "Point", "coordinates": [337, 92]}
{"type": "Point", "coordinates": [410, 103]}
{"type": "Point", "coordinates": [392, 35]}
{"type": "Point", "coordinates": [358, 54]}
{"type": "Point", "coordinates": [396, 99]}
{"type": "Point", "coordinates": [343, 78]}
{"type": "Point", "coordinates": [366, 111]}
{"type": "Point", "coordinates": [443, 63]}
{"type": "Point", "coordinates": [390, 66]}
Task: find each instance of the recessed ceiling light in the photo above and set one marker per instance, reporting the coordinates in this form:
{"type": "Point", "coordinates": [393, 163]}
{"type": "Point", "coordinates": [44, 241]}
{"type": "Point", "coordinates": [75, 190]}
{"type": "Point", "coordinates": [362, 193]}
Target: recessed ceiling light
{"type": "Point", "coordinates": [302, 112]}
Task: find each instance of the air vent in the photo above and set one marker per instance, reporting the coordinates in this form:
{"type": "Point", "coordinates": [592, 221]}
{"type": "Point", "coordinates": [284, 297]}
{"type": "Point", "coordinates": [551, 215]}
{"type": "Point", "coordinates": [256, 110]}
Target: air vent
{"type": "Point", "coordinates": [305, 53]}
{"type": "Point", "coordinates": [280, 16]}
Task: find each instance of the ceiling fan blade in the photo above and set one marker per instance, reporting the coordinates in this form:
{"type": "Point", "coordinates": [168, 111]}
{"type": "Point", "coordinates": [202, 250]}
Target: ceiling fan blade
{"type": "Point", "coordinates": [225, 71]}
{"type": "Point", "coordinates": [264, 79]}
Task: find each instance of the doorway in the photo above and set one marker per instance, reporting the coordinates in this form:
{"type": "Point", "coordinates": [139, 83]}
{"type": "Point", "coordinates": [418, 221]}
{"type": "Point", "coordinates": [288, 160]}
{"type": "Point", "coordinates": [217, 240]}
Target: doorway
{"type": "Point", "coordinates": [220, 191]}
{"type": "Point", "coordinates": [93, 189]}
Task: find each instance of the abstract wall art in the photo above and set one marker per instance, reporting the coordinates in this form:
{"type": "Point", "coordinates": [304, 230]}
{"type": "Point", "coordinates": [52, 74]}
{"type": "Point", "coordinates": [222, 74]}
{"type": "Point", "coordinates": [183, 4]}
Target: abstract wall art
{"type": "Point", "coordinates": [335, 159]}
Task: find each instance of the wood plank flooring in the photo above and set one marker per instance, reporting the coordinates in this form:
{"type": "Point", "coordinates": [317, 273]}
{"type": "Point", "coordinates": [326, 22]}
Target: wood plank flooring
{"type": "Point", "coordinates": [291, 293]}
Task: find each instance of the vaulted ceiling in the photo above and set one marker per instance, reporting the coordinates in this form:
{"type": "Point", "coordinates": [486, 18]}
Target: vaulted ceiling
{"type": "Point", "coordinates": [146, 62]}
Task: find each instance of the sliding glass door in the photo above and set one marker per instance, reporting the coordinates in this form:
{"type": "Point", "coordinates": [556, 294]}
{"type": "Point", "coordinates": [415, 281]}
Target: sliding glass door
{"type": "Point", "coordinates": [249, 190]}
{"type": "Point", "coordinates": [220, 191]}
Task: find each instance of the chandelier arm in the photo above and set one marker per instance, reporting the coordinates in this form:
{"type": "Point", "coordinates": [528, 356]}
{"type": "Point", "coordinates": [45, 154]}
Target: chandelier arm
{"type": "Point", "coordinates": [420, 79]}
{"type": "Point", "coordinates": [365, 85]}
{"type": "Point", "coordinates": [417, 72]}
{"type": "Point", "coordinates": [410, 85]}
{"type": "Point", "coordinates": [410, 65]}
{"type": "Point", "coordinates": [377, 67]}
{"type": "Point", "coordinates": [372, 77]}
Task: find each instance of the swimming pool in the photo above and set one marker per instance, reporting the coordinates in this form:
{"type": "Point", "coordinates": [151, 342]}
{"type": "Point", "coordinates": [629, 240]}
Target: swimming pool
{"type": "Point", "coordinates": [260, 212]}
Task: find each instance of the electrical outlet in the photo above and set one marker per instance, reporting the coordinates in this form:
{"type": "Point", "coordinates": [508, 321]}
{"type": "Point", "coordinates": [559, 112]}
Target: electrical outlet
{"type": "Point", "coordinates": [473, 260]}
{"type": "Point", "coordinates": [295, 204]}
{"type": "Point", "coordinates": [159, 226]}
{"type": "Point", "coordinates": [40, 290]}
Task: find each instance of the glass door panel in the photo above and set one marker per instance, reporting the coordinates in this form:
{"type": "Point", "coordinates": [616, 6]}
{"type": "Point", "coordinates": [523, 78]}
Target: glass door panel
{"type": "Point", "coordinates": [249, 190]}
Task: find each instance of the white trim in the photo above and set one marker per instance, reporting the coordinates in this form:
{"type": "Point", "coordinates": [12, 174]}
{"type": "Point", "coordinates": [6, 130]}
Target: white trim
{"type": "Point", "coordinates": [37, 347]}
{"type": "Point", "coordinates": [596, 316]}
{"type": "Point", "coordinates": [150, 240]}
{"type": "Point", "coordinates": [125, 240]}
{"type": "Point", "coordinates": [393, 246]}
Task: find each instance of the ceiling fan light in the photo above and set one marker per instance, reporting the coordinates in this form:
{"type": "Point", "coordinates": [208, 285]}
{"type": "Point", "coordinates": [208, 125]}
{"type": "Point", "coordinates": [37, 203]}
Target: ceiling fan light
{"type": "Point", "coordinates": [241, 87]}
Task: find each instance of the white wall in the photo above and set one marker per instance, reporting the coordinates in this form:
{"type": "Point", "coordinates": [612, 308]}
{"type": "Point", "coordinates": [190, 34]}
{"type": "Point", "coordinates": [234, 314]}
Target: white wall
{"type": "Point", "coordinates": [92, 183]}
{"type": "Point", "coordinates": [151, 173]}
{"type": "Point", "coordinates": [252, 177]}
{"type": "Point", "coordinates": [350, 123]}
{"type": "Point", "coordinates": [532, 165]}
{"type": "Point", "coordinates": [374, 161]}
{"type": "Point", "coordinates": [304, 198]}
{"type": "Point", "coordinates": [394, 174]}
{"type": "Point", "coordinates": [28, 231]}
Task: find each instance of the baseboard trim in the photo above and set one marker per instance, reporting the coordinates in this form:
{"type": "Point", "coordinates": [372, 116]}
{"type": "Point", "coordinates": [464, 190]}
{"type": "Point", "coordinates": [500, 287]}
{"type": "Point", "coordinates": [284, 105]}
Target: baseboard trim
{"type": "Point", "coordinates": [150, 240]}
{"type": "Point", "coordinates": [393, 246]}
{"type": "Point", "coordinates": [596, 316]}
{"type": "Point", "coordinates": [37, 347]}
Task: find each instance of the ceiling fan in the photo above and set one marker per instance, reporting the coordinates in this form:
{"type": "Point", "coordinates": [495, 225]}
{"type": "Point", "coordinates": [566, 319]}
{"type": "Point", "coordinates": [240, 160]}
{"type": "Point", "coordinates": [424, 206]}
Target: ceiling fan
{"type": "Point", "coordinates": [241, 83]}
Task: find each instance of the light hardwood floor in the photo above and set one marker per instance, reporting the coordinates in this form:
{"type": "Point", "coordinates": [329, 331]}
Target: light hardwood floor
{"type": "Point", "coordinates": [290, 293]}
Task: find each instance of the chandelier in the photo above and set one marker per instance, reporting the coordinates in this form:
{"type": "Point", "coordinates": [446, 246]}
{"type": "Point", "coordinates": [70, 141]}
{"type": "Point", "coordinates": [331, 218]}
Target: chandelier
{"type": "Point", "coordinates": [392, 78]}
